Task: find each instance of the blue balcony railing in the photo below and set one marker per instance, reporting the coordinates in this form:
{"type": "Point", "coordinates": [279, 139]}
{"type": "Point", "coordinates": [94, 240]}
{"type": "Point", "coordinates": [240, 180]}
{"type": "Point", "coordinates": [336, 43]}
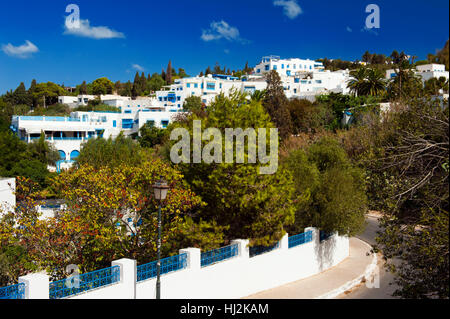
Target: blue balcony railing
{"type": "Point", "coordinates": [66, 138]}
{"type": "Point", "coordinates": [13, 292]}
{"type": "Point", "coordinates": [258, 250]}
{"type": "Point", "coordinates": [55, 119]}
{"type": "Point", "coordinates": [169, 264]}
{"type": "Point", "coordinates": [300, 239]}
{"type": "Point", "coordinates": [84, 282]}
{"type": "Point", "coordinates": [220, 254]}
{"type": "Point", "coordinates": [31, 118]}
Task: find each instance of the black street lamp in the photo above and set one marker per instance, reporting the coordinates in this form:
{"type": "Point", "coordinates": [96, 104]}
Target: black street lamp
{"type": "Point", "coordinates": [160, 189]}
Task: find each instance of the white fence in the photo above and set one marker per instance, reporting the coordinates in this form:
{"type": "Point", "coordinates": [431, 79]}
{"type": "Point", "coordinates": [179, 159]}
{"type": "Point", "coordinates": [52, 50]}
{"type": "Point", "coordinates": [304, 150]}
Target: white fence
{"type": "Point", "coordinates": [236, 277]}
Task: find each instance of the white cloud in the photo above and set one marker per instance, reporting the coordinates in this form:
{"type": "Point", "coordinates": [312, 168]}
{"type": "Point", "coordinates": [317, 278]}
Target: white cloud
{"type": "Point", "coordinates": [221, 30]}
{"type": "Point", "coordinates": [137, 67]}
{"type": "Point", "coordinates": [290, 8]}
{"type": "Point", "coordinates": [88, 31]}
{"type": "Point", "coordinates": [23, 51]}
{"type": "Point", "coordinates": [349, 29]}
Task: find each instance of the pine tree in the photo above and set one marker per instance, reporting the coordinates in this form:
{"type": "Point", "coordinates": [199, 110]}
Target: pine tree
{"type": "Point", "coordinates": [143, 83]}
{"type": "Point", "coordinates": [246, 68]}
{"type": "Point", "coordinates": [276, 104]}
{"type": "Point", "coordinates": [163, 75]}
{"type": "Point", "coordinates": [217, 69]}
{"type": "Point", "coordinates": [117, 87]}
{"type": "Point", "coordinates": [136, 86]}
{"type": "Point", "coordinates": [31, 92]}
{"type": "Point", "coordinates": [83, 88]}
{"type": "Point", "coordinates": [128, 89]}
{"type": "Point", "coordinates": [169, 73]}
{"type": "Point", "coordinates": [21, 95]}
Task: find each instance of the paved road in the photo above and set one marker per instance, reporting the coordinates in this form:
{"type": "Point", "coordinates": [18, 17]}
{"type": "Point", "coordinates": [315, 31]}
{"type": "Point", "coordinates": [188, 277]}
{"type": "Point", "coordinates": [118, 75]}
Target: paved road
{"type": "Point", "coordinates": [385, 290]}
{"type": "Point", "coordinates": [327, 281]}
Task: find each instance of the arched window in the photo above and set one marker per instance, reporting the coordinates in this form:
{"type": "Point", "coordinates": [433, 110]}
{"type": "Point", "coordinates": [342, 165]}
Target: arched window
{"type": "Point", "coordinates": [62, 154]}
{"type": "Point", "coordinates": [74, 154]}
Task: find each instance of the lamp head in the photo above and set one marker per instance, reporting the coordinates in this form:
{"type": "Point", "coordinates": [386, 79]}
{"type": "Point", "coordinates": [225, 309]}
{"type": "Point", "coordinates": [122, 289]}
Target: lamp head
{"type": "Point", "coordinates": [160, 189]}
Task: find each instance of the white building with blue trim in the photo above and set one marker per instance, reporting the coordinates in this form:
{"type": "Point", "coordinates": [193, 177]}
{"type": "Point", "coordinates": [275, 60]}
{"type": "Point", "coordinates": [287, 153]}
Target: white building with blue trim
{"type": "Point", "coordinates": [301, 79]}
{"type": "Point", "coordinates": [68, 134]}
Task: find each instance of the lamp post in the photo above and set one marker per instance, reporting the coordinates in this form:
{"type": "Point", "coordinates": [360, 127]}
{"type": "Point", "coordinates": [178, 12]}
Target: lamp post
{"type": "Point", "coordinates": [160, 189]}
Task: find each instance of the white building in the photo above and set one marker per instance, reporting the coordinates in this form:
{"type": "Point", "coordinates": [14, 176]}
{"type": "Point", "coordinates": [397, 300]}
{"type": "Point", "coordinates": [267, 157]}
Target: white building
{"type": "Point", "coordinates": [83, 99]}
{"type": "Point", "coordinates": [67, 134]}
{"type": "Point", "coordinates": [207, 88]}
{"type": "Point", "coordinates": [301, 78]}
{"type": "Point", "coordinates": [426, 72]}
{"type": "Point", "coordinates": [304, 78]}
{"type": "Point", "coordinates": [287, 67]}
{"type": "Point", "coordinates": [7, 194]}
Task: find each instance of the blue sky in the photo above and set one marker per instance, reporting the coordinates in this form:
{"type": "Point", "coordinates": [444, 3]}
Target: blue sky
{"type": "Point", "coordinates": [116, 38]}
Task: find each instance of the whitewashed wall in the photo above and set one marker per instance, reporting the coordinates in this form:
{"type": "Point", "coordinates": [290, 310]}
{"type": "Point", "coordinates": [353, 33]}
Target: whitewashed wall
{"type": "Point", "coordinates": [237, 277]}
{"type": "Point", "coordinates": [242, 276]}
{"type": "Point", "coordinates": [7, 194]}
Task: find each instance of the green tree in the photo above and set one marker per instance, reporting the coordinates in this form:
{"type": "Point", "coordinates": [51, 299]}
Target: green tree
{"type": "Point", "coordinates": [47, 93]}
{"type": "Point", "coordinates": [252, 205]}
{"type": "Point", "coordinates": [31, 92]}
{"type": "Point", "coordinates": [406, 83]}
{"type": "Point", "coordinates": [150, 135]}
{"type": "Point", "coordinates": [83, 88]}
{"type": "Point", "coordinates": [156, 82]}
{"type": "Point", "coordinates": [102, 86]}
{"type": "Point", "coordinates": [115, 219]}
{"type": "Point", "coordinates": [441, 57]}
{"type": "Point", "coordinates": [182, 73]}
{"type": "Point", "coordinates": [169, 73]}
{"type": "Point", "coordinates": [21, 96]}
{"type": "Point", "coordinates": [367, 81]}
{"type": "Point", "coordinates": [193, 103]}
{"type": "Point", "coordinates": [12, 150]}
{"type": "Point", "coordinates": [137, 88]}
{"type": "Point", "coordinates": [433, 86]}
{"type": "Point", "coordinates": [309, 117]}
{"type": "Point", "coordinates": [43, 151]}
{"type": "Point", "coordinates": [258, 95]}
{"type": "Point", "coordinates": [330, 192]}
{"type": "Point", "coordinates": [110, 152]}
{"type": "Point", "coordinates": [276, 104]}
{"type": "Point", "coordinates": [415, 227]}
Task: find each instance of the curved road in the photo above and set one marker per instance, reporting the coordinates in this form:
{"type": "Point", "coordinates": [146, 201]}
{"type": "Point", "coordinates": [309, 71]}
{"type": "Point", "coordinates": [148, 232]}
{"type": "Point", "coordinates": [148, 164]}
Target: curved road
{"type": "Point", "coordinates": [385, 290]}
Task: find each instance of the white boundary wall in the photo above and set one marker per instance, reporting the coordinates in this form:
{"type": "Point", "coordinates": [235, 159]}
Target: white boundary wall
{"type": "Point", "coordinates": [236, 277]}
{"type": "Point", "coordinates": [7, 194]}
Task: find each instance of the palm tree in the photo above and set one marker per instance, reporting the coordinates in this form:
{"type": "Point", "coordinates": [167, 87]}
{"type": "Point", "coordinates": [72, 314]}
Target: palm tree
{"type": "Point", "coordinates": [406, 82]}
{"type": "Point", "coordinates": [357, 83]}
{"type": "Point", "coordinates": [367, 81]}
{"type": "Point", "coordinates": [375, 82]}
